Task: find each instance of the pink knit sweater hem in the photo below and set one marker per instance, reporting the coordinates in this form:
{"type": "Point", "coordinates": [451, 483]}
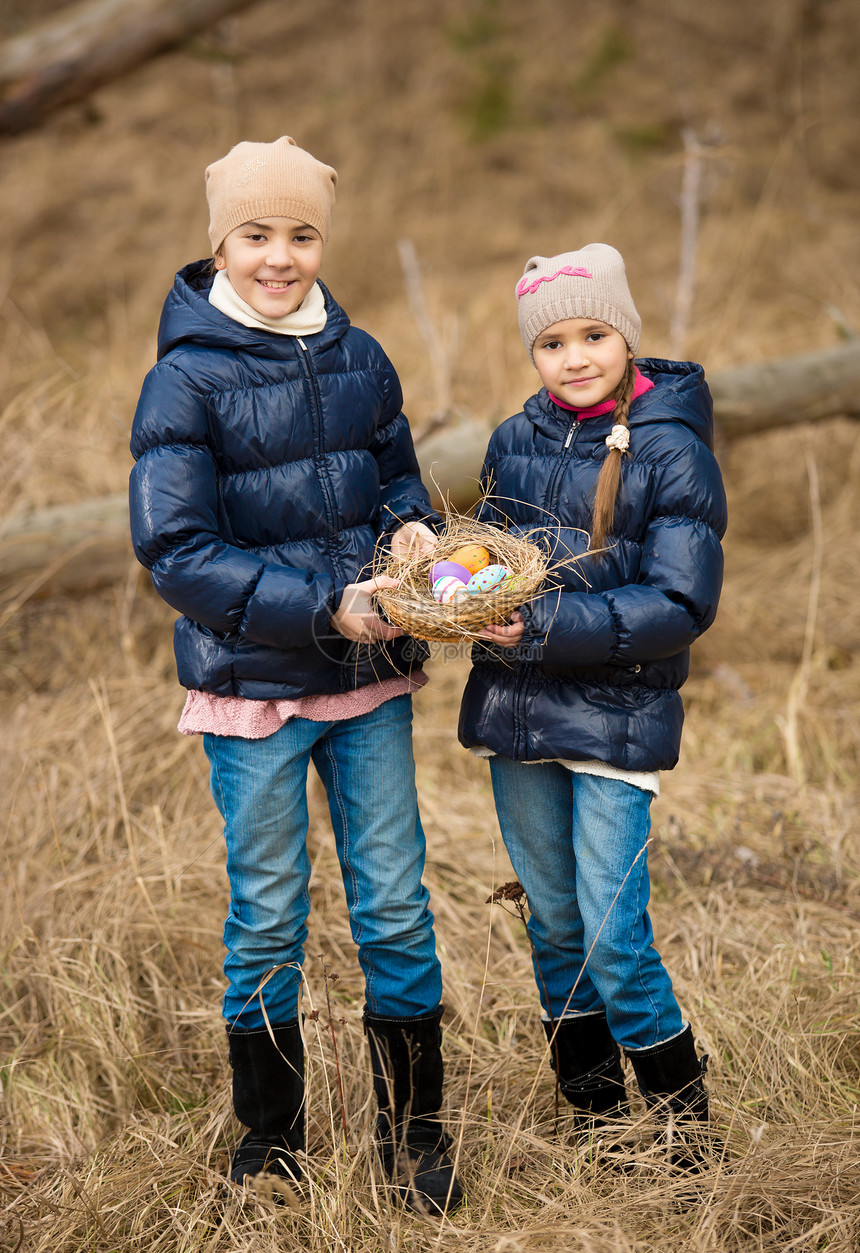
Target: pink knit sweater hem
{"type": "Point", "coordinates": [255, 719]}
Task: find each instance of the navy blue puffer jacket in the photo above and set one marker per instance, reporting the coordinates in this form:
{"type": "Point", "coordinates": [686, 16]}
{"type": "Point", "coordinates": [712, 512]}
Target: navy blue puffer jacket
{"type": "Point", "coordinates": [266, 469]}
{"type": "Point", "coordinates": [598, 671]}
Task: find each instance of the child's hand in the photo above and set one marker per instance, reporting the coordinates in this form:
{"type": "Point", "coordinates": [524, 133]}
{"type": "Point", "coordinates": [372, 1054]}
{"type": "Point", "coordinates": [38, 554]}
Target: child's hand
{"type": "Point", "coordinates": [507, 636]}
{"type": "Point", "coordinates": [413, 539]}
{"type": "Point", "coordinates": [356, 620]}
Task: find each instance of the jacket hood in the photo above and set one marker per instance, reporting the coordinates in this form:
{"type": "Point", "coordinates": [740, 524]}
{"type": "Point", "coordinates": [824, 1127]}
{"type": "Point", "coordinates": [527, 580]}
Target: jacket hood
{"type": "Point", "coordinates": [189, 318]}
{"type": "Point", "coordinates": [680, 394]}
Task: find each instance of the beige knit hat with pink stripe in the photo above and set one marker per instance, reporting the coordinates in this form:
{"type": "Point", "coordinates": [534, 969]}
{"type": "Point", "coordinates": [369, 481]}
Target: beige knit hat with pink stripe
{"type": "Point", "coordinates": [589, 283]}
{"type": "Point", "coordinates": [277, 180]}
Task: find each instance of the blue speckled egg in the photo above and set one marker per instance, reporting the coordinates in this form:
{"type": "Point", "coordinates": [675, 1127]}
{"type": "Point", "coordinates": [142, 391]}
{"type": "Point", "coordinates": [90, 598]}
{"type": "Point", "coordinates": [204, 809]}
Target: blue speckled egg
{"type": "Point", "coordinates": [488, 578]}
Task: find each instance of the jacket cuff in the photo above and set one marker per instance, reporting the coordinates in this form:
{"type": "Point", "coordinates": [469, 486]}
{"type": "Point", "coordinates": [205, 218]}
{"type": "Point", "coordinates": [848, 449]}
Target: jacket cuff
{"type": "Point", "coordinates": [533, 638]}
{"type": "Point", "coordinates": [338, 587]}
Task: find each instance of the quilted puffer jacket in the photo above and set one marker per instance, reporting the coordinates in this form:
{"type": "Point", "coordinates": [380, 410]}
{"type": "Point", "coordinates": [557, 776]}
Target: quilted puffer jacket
{"type": "Point", "coordinates": [266, 469]}
{"type": "Point", "coordinates": [604, 654]}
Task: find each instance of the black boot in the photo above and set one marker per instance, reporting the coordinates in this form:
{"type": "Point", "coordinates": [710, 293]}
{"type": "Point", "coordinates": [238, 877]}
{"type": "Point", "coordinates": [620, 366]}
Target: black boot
{"type": "Point", "coordinates": [406, 1056]}
{"type": "Point", "coordinates": [268, 1097]}
{"type": "Point", "coordinates": [587, 1062]}
{"type": "Point", "coordinates": [670, 1079]}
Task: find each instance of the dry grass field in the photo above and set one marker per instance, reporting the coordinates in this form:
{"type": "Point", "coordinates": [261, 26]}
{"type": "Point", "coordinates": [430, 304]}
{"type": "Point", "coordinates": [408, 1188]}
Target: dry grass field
{"type": "Point", "coordinates": [483, 131]}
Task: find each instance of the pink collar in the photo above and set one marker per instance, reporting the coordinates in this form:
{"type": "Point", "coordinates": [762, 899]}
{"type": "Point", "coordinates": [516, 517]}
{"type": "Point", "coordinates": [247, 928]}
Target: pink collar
{"type": "Point", "coordinates": [640, 387]}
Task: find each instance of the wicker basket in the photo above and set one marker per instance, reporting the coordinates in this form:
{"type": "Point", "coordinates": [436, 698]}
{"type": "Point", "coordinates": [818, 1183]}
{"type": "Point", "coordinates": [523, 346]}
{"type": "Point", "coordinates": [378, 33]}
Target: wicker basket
{"type": "Point", "coordinates": [411, 604]}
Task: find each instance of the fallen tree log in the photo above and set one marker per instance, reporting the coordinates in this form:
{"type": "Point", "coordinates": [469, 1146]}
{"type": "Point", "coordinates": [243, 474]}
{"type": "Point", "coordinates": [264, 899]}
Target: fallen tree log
{"type": "Point", "coordinates": [451, 460]}
{"type": "Point", "coordinates": [752, 398]}
{"type": "Point", "coordinates": [69, 548]}
{"type": "Point", "coordinates": [74, 548]}
{"type": "Point", "coordinates": [68, 56]}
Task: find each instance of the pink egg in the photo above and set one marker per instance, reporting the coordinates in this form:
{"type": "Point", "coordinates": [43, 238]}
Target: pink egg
{"type": "Point", "coordinates": [444, 590]}
{"type": "Point", "coordinates": [449, 570]}
{"type": "Point", "coordinates": [488, 578]}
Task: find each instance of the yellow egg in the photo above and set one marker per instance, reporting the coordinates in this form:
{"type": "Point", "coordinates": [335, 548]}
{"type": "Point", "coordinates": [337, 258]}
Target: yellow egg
{"type": "Point", "coordinates": [473, 556]}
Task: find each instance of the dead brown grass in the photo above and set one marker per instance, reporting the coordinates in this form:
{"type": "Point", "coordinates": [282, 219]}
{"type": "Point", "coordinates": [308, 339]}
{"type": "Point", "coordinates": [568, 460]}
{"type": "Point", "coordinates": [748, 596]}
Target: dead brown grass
{"type": "Point", "coordinates": [115, 1120]}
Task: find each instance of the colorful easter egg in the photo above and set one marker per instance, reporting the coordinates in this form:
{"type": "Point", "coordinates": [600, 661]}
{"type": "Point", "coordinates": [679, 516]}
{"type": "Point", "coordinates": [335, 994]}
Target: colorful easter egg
{"type": "Point", "coordinates": [449, 570]}
{"type": "Point", "coordinates": [445, 589]}
{"type": "Point", "coordinates": [488, 578]}
{"type": "Point", "coordinates": [473, 556]}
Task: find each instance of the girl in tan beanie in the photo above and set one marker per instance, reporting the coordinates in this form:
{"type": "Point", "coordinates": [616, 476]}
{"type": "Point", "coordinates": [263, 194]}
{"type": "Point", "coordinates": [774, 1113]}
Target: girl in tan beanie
{"type": "Point", "coordinates": [575, 701]}
{"type": "Point", "coordinates": [271, 457]}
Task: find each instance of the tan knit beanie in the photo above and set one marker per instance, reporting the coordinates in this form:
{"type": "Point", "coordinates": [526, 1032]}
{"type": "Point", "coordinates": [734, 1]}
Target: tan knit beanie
{"type": "Point", "coordinates": [268, 180]}
{"type": "Point", "coordinates": [589, 283]}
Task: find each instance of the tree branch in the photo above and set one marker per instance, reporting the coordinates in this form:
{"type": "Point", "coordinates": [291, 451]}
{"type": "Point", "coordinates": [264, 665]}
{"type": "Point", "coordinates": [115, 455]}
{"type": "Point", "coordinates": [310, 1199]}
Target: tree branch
{"type": "Point", "coordinates": [68, 56]}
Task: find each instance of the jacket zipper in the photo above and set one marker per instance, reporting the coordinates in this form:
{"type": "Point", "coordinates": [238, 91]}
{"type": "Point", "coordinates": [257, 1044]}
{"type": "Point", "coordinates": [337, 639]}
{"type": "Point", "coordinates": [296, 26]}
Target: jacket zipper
{"type": "Point", "coordinates": [520, 738]}
{"type": "Point", "coordinates": [554, 489]}
{"type": "Point", "coordinates": [319, 458]}
{"type": "Point", "coordinates": [550, 502]}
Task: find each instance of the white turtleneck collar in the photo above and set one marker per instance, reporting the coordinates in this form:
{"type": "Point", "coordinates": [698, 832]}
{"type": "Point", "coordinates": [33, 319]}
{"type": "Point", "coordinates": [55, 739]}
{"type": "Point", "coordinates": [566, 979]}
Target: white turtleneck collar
{"type": "Point", "coordinates": [308, 319]}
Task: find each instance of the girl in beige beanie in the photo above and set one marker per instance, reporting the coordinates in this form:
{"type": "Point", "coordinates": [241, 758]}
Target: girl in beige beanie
{"type": "Point", "coordinates": [271, 457]}
{"type": "Point", "coordinates": [575, 701]}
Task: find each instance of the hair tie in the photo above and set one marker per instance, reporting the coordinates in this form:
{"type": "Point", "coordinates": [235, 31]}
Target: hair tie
{"type": "Point", "coordinates": [619, 438]}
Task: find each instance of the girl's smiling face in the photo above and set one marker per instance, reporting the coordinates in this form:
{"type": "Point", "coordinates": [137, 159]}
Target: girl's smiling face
{"type": "Point", "coordinates": [272, 264]}
{"type": "Point", "coordinates": [581, 360]}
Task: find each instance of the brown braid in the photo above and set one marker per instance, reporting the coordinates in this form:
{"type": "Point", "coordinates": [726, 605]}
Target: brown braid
{"type": "Point", "coordinates": [610, 474]}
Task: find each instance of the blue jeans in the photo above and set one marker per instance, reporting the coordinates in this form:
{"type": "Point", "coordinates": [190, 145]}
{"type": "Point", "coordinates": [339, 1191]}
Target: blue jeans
{"type": "Point", "coordinates": [573, 840]}
{"type": "Point", "coordinates": [260, 787]}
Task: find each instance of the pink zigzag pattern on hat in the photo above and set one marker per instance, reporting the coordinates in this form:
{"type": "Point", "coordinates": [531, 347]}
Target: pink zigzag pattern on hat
{"type": "Point", "coordinates": [525, 289]}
